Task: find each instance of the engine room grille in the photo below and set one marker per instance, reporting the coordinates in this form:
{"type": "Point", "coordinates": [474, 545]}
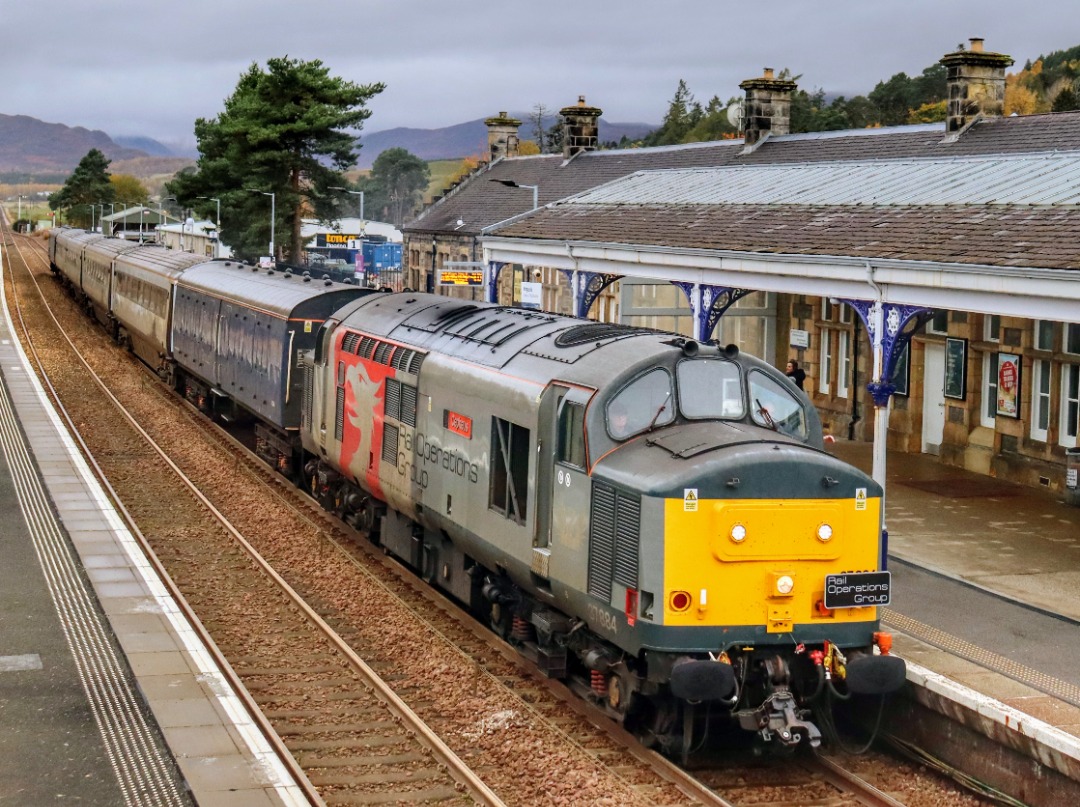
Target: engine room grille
{"type": "Point", "coordinates": [349, 342]}
{"type": "Point", "coordinates": [307, 402]}
{"type": "Point", "coordinates": [339, 415]}
{"type": "Point", "coordinates": [614, 538]}
{"type": "Point", "coordinates": [389, 443]}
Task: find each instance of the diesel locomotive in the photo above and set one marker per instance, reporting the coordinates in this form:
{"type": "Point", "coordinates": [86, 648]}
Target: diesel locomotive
{"type": "Point", "coordinates": [651, 519]}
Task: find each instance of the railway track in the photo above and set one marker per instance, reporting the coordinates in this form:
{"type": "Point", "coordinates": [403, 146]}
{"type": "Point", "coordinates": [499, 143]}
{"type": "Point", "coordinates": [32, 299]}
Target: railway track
{"type": "Point", "coordinates": [527, 737]}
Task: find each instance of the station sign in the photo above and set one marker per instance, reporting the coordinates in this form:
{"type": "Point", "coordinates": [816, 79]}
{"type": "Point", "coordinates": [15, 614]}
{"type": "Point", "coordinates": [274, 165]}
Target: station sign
{"type": "Point", "coordinates": [335, 239]}
{"type": "Point", "coordinates": [461, 273]}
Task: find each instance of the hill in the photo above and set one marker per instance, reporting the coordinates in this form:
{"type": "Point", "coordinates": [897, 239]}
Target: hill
{"type": "Point", "coordinates": [33, 146]}
{"type": "Point", "coordinates": [469, 139]}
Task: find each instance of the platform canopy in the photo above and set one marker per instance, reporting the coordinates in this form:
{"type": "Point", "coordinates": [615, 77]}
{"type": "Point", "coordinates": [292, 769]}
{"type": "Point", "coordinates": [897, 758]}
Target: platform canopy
{"type": "Point", "coordinates": [995, 234]}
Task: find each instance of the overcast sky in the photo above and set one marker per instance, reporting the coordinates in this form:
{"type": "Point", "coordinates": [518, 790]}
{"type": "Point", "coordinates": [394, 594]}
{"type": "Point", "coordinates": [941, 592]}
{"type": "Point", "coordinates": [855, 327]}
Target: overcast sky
{"type": "Point", "coordinates": [136, 68]}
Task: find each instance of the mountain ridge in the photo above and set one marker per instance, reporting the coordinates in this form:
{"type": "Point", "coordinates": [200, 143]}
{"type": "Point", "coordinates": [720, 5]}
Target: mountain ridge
{"type": "Point", "coordinates": [35, 147]}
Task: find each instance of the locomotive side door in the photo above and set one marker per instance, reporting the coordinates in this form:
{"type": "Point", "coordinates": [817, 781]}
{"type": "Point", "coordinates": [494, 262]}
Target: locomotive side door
{"type": "Point", "coordinates": [562, 481]}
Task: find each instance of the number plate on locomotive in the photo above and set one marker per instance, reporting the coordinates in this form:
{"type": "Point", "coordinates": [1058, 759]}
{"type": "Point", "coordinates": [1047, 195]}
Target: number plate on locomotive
{"type": "Point", "coordinates": [858, 589]}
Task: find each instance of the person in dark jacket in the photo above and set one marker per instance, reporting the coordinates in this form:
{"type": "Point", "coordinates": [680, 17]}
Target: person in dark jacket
{"type": "Point", "coordinates": [796, 373]}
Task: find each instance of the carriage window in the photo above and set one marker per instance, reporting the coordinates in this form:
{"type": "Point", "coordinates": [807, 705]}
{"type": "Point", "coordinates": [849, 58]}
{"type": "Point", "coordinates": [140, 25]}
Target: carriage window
{"type": "Point", "coordinates": [646, 401]}
{"type": "Point", "coordinates": [774, 407]}
{"type": "Point", "coordinates": [710, 388]}
{"type": "Point", "coordinates": [572, 434]}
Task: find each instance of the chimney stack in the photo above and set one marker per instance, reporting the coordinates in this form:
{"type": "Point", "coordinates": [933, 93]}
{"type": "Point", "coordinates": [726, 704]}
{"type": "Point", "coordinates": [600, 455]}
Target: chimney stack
{"type": "Point", "coordinates": [976, 80]}
{"type": "Point", "coordinates": [581, 128]}
{"type": "Point", "coordinates": [768, 107]}
{"type": "Point", "coordinates": [503, 138]}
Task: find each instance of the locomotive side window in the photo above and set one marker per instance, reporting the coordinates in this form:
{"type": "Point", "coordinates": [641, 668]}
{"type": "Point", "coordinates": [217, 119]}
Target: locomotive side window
{"type": "Point", "coordinates": [646, 401]}
{"type": "Point", "coordinates": [509, 469]}
{"type": "Point", "coordinates": [710, 388]}
{"type": "Point", "coordinates": [776, 408]}
{"type": "Point", "coordinates": [571, 435]}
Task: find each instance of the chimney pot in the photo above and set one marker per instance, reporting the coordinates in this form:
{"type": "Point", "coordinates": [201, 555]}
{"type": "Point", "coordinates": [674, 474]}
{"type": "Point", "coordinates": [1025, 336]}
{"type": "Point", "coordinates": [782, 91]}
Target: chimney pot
{"type": "Point", "coordinates": [767, 108]}
{"type": "Point", "coordinates": [503, 139]}
{"type": "Point", "coordinates": [581, 128]}
{"type": "Point", "coordinates": [976, 82]}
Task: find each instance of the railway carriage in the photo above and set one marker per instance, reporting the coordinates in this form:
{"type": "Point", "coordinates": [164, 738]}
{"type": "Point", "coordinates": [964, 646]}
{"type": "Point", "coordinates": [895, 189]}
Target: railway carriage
{"type": "Point", "coordinates": [66, 246]}
{"type": "Point", "coordinates": [97, 282]}
{"type": "Point", "coordinates": [141, 301]}
{"type": "Point", "coordinates": [236, 333]}
{"type": "Point", "coordinates": [651, 519]}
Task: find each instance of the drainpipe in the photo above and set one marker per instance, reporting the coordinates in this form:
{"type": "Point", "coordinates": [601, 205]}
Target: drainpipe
{"type": "Point", "coordinates": [855, 417]}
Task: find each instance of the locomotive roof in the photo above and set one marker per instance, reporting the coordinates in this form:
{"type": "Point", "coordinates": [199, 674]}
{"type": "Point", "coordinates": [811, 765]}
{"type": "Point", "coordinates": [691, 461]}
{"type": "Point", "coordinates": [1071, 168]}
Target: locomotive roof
{"type": "Point", "coordinates": [496, 335]}
{"type": "Point", "coordinates": [279, 293]}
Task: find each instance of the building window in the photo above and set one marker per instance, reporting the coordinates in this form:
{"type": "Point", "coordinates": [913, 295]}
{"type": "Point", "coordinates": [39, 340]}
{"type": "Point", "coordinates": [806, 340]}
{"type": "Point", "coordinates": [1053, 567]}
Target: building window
{"type": "Point", "coordinates": [826, 310]}
{"type": "Point", "coordinates": [1071, 342]}
{"type": "Point", "coordinates": [509, 469]}
{"type": "Point", "coordinates": [938, 323]}
{"type": "Point", "coordinates": [989, 390]}
{"type": "Point", "coordinates": [992, 328]}
{"type": "Point", "coordinates": [845, 313]}
{"type": "Point", "coordinates": [1044, 334]}
{"type": "Point", "coordinates": [1070, 404]}
{"type": "Point", "coordinates": [1040, 400]}
{"type": "Point", "coordinates": [826, 361]}
{"type": "Point", "coordinates": [843, 363]}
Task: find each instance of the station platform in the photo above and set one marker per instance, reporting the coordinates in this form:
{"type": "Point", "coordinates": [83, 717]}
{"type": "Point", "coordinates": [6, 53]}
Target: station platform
{"type": "Point", "coordinates": [107, 694]}
{"type": "Point", "coordinates": [986, 586]}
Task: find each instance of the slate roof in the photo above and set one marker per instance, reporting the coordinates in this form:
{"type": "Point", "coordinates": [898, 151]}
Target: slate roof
{"type": "Point", "coordinates": [479, 203]}
{"type": "Point", "coordinates": [994, 235]}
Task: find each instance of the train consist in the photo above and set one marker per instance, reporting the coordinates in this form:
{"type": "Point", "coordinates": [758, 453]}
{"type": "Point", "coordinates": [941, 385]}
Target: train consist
{"type": "Point", "coordinates": [651, 519]}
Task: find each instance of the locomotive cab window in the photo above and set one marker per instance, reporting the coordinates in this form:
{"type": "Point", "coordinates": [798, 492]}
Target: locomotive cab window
{"type": "Point", "coordinates": [571, 434]}
{"type": "Point", "coordinates": [643, 403]}
{"type": "Point", "coordinates": [710, 388]}
{"type": "Point", "coordinates": [776, 408]}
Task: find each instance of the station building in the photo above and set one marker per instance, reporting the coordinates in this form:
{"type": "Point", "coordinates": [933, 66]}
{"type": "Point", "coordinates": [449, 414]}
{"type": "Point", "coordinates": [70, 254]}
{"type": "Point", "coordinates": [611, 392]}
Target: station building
{"type": "Point", "coordinates": [980, 384]}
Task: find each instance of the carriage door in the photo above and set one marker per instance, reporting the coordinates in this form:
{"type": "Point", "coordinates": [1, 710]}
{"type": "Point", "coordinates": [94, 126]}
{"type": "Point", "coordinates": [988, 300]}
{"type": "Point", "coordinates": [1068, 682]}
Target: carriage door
{"type": "Point", "coordinates": [562, 484]}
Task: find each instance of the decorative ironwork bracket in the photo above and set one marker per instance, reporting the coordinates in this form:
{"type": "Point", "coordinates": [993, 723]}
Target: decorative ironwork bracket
{"type": "Point", "coordinates": [894, 337]}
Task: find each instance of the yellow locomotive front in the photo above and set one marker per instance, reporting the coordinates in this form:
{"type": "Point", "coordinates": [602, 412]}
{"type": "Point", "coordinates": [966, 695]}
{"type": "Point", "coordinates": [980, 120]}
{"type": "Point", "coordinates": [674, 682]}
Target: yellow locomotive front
{"type": "Point", "coordinates": [762, 563]}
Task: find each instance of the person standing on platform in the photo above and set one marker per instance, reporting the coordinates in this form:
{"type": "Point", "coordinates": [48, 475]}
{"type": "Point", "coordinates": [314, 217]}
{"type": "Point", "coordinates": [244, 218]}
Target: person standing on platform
{"type": "Point", "coordinates": [796, 373]}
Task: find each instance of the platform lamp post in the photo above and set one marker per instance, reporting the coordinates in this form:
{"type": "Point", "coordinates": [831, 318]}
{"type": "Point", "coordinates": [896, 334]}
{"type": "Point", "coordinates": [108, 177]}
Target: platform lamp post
{"type": "Point", "coordinates": [511, 184]}
{"type": "Point", "coordinates": [273, 257]}
{"type": "Point", "coordinates": [217, 235]}
{"type": "Point", "coordinates": [92, 209]}
{"type": "Point", "coordinates": [354, 193]}
{"type": "Point", "coordinates": [101, 217]}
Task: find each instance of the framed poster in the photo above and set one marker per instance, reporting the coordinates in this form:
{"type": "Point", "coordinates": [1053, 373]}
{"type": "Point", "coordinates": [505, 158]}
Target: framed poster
{"type": "Point", "coordinates": [1008, 391]}
{"type": "Point", "coordinates": [902, 373]}
{"type": "Point", "coordinates": [955, 368]}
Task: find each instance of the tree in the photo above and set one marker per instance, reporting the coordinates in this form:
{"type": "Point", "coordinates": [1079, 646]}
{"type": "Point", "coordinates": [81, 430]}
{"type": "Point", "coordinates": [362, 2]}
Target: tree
{"type": "Point", "coordinates": [284, 131]}
{"type": "Point", "coordinates": [88, 185]}
{"type": "Point", "coordinates": [396, 184]}
{"type": "Point", "coordinates": [127, 188]}
{"type": "Point", "coordinates": [684, 113]}
{"type": "Point", "coordinates": [536, 119]}
{"type": "Point", "coordinates": [1065, 101]}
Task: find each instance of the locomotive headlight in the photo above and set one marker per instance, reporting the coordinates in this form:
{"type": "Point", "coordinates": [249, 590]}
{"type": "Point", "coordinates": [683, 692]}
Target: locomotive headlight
{"type": "Point", "coordinates": [738, 533]}
{"type": "Point", "coordinates": [824, 533]}
{"type": "Point", "coordinates": [784, 584]}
